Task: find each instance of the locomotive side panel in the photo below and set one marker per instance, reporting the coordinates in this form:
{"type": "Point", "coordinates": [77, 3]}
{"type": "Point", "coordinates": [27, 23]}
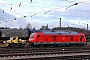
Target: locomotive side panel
{"type": "Point", "coordinates": [59, 39]}
{"type": "Point", "coordinates": [65, 39]}
{"type": "Point", "coordinates": [75, 39]}
{"type": "Point", "coordinates": [48, 38]}
{"type": "Point", "coordinates": [39, 38]}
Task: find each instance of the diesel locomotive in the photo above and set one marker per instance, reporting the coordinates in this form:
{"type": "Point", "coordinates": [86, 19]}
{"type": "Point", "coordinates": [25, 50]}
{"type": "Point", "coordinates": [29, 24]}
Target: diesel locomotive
{"type": "Point", "coordinates": [61, 38]}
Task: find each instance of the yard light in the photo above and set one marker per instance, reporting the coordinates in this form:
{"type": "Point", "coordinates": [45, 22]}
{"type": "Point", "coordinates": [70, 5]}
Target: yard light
{"type": "Point", "coordinates": [63, 49]}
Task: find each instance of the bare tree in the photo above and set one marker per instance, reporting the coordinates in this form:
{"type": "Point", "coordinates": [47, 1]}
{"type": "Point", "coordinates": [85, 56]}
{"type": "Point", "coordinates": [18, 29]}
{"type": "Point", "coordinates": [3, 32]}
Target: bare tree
{"type": "Point", "coordinates": [33, 28]}
{"type": "Point", "coordinates": [28, 26]}
{"type": "Point", "coordinates": [44, 27]}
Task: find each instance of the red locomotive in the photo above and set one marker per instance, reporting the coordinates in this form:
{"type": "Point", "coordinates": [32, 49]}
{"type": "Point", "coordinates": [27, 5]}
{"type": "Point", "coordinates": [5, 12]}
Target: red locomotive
{"type": "Point", "coordinates": [57, 39]}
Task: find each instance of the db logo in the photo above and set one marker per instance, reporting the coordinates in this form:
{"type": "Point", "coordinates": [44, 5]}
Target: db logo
{"type": "Point", "coordinates": [63, 38]}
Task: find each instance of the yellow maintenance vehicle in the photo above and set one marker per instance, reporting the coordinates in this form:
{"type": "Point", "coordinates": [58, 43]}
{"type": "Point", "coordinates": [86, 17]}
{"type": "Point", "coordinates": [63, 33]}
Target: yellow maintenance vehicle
{"type": "Point", "coordinates": [14, 42]}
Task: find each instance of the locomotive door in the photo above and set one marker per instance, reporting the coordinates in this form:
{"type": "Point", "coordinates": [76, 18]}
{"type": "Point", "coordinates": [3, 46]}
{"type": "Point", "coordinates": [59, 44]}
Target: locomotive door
{"type": "Point", "coordinates": [71, 38]}
{"type": "Point", "coordinates": [54, 38]}
{"type": "Point", "coordinates": [81, 38]}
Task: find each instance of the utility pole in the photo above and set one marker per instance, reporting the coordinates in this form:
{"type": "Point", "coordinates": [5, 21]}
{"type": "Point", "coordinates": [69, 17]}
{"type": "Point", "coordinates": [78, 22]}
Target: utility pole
{"type": "Point", "coordinates": [87, 27]}
{"type": "Point", "coordinates": [60, 23]}
{"type": "Point", "coordinates": [5, 26]}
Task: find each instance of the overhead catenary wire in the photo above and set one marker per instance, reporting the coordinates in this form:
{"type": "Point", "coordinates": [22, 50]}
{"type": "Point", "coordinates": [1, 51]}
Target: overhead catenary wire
{"type": "Point", "coordinates": [11, 4]}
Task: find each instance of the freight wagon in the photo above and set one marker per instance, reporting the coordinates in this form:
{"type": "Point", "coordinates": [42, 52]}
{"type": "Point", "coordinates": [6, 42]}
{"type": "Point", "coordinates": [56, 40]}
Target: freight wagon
{"type": "Point", "coordinates": [61, 38]}
{"type": "Point", "coordinates": [5, 34]}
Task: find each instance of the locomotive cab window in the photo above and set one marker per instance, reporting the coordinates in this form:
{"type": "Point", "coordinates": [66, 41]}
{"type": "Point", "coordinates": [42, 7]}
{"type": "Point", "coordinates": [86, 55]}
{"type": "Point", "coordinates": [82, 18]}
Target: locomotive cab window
{"type": "Point", "coordinates": [38, 35]}
{"type": "Point", "coordinates": [81, 38]}
{"type": "Point", "coordinates": [32, 35]}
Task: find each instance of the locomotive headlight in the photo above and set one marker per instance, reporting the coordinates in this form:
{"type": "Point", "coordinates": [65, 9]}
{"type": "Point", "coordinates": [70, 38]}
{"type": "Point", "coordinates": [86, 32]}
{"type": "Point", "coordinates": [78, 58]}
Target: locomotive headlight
{"type": "Point", "coordinates": [4, 41]}
{"type": "Point", "coordinates": [30, 39]}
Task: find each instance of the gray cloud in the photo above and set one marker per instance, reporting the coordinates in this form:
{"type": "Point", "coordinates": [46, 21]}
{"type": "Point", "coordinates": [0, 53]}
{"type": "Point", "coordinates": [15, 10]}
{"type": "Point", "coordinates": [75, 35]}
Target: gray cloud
{"type": "Point", "coordinates": [5, 16]}
{"type": "Point", "coordinates": [9, 17]}
{"type": "Point", "coordinates": [74, 12]}
{"type": "Point", "coordinates": [79, 12]}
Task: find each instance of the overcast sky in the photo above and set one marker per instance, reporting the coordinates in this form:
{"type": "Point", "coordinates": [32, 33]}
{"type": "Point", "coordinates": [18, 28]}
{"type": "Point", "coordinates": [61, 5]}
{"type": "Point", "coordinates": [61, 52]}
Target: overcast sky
{"type": "Point", "coordinates": [74, 16]}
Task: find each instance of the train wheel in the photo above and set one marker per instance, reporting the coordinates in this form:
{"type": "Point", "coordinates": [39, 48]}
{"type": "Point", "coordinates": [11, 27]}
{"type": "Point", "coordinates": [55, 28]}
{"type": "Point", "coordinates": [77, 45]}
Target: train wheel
{"type": "Point", "coordinates": [82, 44]}
{"type": "Point", "coordinates": [50, 46]}
{"type": "Point", "coordinates": [46, 45]}
{"type": "Point", "coordinates": [68, 45]}
{"type": "Point", "coordinates": [42, 45]}
{"type": "Point", "coordinates": [11, 45]}
{"type": "Point", "coordinates": [79, 45]}
{"type": "Point", "coordinates": [22, 45]}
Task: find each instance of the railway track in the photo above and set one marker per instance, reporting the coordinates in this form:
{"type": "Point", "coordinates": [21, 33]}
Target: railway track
{"type": "Point", "coordinates": [24, 53]}
{"type": "Point", "coordinates": [52, 48]}
{"type": "Point", "coordinates": [81, 57]}
{"type": "Point", "coordinates": [45, 52]}
{"type": "Point", "coordinates": [6, 54]}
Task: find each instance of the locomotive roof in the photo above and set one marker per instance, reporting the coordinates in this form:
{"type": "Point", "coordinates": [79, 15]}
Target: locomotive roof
{"type": "Point", "coordinates": [55, 31]}
{"type": "Point", "coordinates": [61, 32]}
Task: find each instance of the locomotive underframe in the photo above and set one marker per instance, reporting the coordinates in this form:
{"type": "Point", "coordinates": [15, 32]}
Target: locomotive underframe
{"type": "Point", "coordinates": [58, 43]}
